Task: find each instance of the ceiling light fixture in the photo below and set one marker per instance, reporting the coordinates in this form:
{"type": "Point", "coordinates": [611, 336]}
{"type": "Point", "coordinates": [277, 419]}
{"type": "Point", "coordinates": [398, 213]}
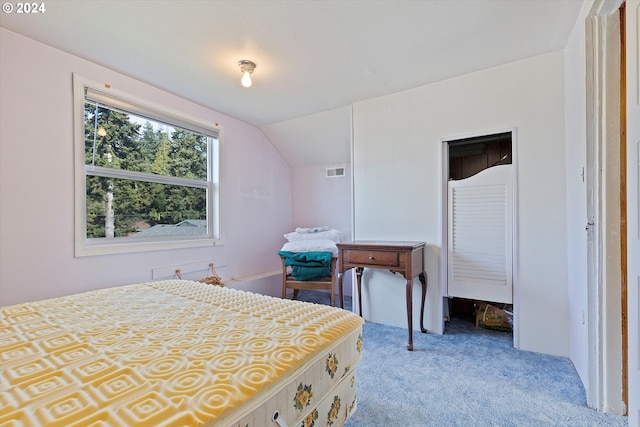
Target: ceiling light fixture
{"type": "Point", "coordinates": [246, 67]}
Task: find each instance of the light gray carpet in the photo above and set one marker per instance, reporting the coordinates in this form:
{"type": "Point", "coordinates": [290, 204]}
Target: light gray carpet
{"type": "Point", "coordinates": [466, 377]}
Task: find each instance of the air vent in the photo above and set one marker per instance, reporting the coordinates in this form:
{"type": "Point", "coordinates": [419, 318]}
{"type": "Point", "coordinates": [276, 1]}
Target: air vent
{"type": "Point", "coordinates": [335, 172]}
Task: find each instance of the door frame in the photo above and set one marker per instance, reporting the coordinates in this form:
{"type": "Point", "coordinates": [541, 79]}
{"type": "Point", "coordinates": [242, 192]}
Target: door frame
{"type": "Point", "coordinates": [604, 268]}
{"type": "Point", "coordinates": [444, 224]}
{"type": "Point", "coordinates": [632, 131]}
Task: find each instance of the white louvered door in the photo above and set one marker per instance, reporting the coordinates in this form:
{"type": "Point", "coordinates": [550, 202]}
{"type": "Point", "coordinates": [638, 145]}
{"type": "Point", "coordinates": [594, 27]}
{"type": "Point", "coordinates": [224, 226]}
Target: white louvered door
{"type": "Point", "coordinates": [480, 236]}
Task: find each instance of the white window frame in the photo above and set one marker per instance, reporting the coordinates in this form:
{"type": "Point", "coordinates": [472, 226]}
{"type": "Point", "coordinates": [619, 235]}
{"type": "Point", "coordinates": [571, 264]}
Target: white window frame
{"type": "Point", "coordinates": [102, 246]}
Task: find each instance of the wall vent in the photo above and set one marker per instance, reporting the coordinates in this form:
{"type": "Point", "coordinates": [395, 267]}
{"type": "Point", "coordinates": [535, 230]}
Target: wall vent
{"type": "Point", "coordinates": [335, 172]}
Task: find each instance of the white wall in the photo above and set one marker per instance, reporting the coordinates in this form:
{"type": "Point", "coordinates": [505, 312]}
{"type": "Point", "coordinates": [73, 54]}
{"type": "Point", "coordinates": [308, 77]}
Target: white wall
{"type": "Point", "coordinates": [318, 201]}
{"type": "Point", "coordinates": [36, 183]}
{"type": "Point", "coordinates": [397, 185]}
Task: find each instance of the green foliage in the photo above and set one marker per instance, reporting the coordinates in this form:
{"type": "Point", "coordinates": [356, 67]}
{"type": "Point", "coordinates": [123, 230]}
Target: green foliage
{"type": "Point", "coordinates": [114, 140]}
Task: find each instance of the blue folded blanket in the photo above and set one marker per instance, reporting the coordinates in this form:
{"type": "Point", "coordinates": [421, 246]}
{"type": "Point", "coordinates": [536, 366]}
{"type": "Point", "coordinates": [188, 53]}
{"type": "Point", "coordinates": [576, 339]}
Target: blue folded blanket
{"type": "Point", "coordinates": [308, 265]}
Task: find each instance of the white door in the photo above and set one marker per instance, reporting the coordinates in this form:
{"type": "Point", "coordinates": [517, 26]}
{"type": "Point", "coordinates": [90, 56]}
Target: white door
{"type": "Point", "coordinates": [480, 236]}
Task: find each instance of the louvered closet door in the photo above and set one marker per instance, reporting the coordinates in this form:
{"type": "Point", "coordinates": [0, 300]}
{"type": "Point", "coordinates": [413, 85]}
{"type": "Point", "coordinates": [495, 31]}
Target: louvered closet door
{"type": "Point", "coordinates": [480, 236]}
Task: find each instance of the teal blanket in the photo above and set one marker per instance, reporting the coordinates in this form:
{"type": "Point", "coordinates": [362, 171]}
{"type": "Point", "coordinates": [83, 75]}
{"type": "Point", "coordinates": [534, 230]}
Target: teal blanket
{"type": "Point", "coordinates": [308, 265]}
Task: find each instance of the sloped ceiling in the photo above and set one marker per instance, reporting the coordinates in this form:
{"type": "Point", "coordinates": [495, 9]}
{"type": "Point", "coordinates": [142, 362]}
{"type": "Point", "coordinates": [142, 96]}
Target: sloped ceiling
{"type": "Point", "coordinates": [314, 58]}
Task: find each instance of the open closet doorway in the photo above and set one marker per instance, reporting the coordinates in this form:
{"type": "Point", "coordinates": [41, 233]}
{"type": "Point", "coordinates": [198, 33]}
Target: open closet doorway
{"type": "Point", "coordinates": [479, 201]}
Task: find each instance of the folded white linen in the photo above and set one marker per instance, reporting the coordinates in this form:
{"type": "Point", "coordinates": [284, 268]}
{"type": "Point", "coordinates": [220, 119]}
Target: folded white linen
{"type": "Point", "coordinates": [314, 245]}
{"type": "Point", "coordinates": [331, 234]}
{"type": "Point", "coordinates": [312, 229]}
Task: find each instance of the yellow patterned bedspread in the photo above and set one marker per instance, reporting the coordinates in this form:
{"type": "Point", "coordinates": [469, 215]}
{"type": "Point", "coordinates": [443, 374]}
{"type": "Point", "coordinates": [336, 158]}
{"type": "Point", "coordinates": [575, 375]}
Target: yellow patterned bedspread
{"type": "Point", "coordinates": [172, 353]}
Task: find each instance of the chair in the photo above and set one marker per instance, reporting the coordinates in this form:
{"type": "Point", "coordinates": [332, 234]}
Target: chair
{"type": "Point", "coordinates": [329, 282]}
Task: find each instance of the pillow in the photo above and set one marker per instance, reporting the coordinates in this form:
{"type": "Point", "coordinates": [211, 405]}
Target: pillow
{"type": "Point", "coordinates": [333, 235]}
{"type": "Point", "coordinates": [314, 245]}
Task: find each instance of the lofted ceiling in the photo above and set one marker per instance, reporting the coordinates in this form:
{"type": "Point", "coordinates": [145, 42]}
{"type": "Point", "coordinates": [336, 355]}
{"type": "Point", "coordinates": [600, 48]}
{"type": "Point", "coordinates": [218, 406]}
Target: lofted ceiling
{"type": "Point", "coordinates": [314, 58]}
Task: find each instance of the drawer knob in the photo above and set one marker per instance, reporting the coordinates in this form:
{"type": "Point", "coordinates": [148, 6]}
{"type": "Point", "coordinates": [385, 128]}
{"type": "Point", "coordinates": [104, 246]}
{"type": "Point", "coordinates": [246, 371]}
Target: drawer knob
{"type": "Point", "coordinates": [371, 258]}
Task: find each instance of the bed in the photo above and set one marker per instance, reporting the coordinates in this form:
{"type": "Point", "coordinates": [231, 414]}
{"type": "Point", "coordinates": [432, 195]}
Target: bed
{"type": "Point", "coordinates": [177, 353]}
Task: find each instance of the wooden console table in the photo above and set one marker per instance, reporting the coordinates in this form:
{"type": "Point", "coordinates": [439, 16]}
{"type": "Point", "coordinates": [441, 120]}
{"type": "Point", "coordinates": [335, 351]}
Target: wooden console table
{"type": "Point", "coordinates": [406, 258]}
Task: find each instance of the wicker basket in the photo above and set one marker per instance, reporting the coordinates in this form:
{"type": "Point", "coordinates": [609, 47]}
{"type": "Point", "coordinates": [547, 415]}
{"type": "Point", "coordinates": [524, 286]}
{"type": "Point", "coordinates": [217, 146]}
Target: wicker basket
{"type": "Point", "coordinates": [213, 279]}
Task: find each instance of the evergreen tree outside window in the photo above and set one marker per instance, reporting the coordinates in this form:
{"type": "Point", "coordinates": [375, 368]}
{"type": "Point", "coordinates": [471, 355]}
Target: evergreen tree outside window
{"type": "Point", "coordinates": [146, 176]}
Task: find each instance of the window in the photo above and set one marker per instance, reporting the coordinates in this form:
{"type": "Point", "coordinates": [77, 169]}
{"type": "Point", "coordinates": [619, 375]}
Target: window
{"type": "Point", "coordinates": [147, 177]}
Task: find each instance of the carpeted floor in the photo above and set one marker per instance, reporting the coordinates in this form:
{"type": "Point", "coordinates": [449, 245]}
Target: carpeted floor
{"type": "Point", "coordinates": [466, 377]}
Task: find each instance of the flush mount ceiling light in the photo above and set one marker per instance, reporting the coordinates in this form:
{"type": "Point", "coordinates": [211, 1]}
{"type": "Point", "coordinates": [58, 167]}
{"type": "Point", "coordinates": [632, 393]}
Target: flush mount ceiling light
{"type": "Point", "coordinates": [246, 67]}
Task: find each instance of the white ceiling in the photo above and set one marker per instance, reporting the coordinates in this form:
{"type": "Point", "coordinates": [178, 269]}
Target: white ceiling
{"type": "Point", "coordinates": [314, 58]}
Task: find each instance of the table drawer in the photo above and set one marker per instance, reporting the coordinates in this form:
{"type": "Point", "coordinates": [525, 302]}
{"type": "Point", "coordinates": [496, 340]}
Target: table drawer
{"type": "Point", "coordinates": [389, 259]}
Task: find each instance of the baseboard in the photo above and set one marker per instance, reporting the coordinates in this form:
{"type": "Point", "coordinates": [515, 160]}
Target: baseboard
{"type": "Point", "coordinates": [268, 283]}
